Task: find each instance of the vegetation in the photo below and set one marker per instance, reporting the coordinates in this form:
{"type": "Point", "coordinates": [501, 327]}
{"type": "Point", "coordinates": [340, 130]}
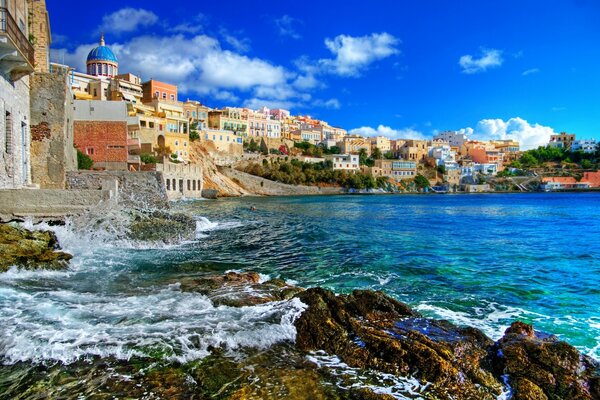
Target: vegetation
{"type": "Point", "coordinates": [194, 135]}
{"type": "Point", "coordinates": [148, 158]}
{"type": "Point", "coordinates": [251, 146]}
{"type": "Point", "coordinates": [422, 182]}
{"type": "Point", "coordinates": [537, 157]}
{"type": "Point", "coordinates": [300, 173]}
{"type": "Point", "coordinates": [309, 149]}
{"type": "Point", "coordinates": [84, 161]}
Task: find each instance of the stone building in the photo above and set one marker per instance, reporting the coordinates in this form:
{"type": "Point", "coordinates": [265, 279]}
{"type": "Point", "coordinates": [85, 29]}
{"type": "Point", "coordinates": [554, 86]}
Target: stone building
{"type": "Point", "coordinates": [39, 32]}
{"type": "Point", "coordinates": [181, 180]}
{"type": "Point", "coordinates": [16, 64]}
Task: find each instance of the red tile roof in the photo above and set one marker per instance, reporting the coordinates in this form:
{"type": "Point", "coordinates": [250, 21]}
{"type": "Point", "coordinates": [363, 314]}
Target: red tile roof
{"type": "Point", "coordinates": [593, 178]}
{"type": "Point", "coordinates": [559, 179]}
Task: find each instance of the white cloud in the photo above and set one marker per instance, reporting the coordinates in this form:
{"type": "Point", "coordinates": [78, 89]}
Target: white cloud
{"type": "Point", "coordinates": [241, 45]}
{"type": "Point", "coordinates": [127, 20]}
{"type": "Point", "coordinates": [382, 130]}
{"type": "Point", "coordinates": [192, 26]}
{"type": "Point", "coordinates": [528, 135]}
{"type": "Point", "coordinates": [490, 58]}
{"type": "Point", "coordinates": [286, 26]}
{"type": "Point", "coordinates": [531, 71]}
{"type": "Point", "coordinates": [355, 54]}
{"type": "Point", "coordinates": [333, 104]}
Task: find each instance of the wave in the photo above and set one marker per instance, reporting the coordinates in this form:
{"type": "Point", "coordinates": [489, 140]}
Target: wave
{"type": "Point", "coordinates": [65, 326]}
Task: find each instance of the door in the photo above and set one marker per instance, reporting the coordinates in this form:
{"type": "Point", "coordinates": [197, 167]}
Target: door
{"type": "Point", "coordinates": [24, 156]}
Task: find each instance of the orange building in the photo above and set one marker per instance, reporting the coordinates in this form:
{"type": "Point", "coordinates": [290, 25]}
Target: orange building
{"type": "Point", "coordinates": [158, 90]}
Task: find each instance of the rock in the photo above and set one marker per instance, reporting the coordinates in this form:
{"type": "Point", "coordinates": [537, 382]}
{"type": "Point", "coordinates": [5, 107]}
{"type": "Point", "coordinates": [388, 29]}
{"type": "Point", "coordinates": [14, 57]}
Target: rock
{"type": "Point", "coordinates": [30, 249]}
{"type": "Point", "coordinates": [239, 289]}
{"type": "Point", "coordinates": [159, 226]}
{"type": "Point", "coordinates": [542, 367]}
{"type": "Point", "coordinates": [370, 330]}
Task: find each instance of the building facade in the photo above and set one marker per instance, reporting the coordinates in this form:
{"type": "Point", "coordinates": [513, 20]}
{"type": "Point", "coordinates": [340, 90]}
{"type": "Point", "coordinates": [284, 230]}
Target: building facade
{"type": "Point", "coordinates": [563, 140]}
{"type": "Point", "coordinates": [344, 162]}
{"type": "Point", "coordinates": [16, 63]}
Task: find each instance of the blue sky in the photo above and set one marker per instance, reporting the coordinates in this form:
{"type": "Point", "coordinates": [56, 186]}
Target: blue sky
{"type": "Point", "coordinates": [503, 69]}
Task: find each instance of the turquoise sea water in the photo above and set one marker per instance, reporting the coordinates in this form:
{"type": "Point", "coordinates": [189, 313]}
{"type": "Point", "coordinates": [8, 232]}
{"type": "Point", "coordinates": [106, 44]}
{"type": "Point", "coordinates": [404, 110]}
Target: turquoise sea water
{"type": "Point", "coordinates": [480, 260]}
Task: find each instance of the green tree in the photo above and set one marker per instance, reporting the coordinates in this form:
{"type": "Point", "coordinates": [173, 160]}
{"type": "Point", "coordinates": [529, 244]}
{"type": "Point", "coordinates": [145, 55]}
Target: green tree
{"type": "Point", "coordinates": [441, 169]}
{"type": "Point", "coordinates": [194, 135]}
{"type": "Point", "coordinates": [376, 154]}
{"type": "Point", "coordinates": [362, 157]}
{"type": "Point", "coordinates": [528, 159]}
{"type": "Point", "coordinates": [586, 164]}
{"type": "Point", "coordinates": [84, 161]}
{"type": "Point", "coordinates": [422, 182]}
{"type": "Point", "coordinates": [389, 155]}
{"type": "Point", "coordinates": [148, 158]}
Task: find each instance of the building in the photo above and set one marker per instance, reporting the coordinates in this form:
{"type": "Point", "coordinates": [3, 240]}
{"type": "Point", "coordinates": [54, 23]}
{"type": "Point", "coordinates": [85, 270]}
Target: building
{"type": "Point", "coordinates": [100, 131]}
{"type": "Point", "coordinates": [224, 141]}
{"type": "Point", "coordinates": [453, 138]}
{"type": "Point", "coordinates": [443, 154]}
{"type": "Point", "coordinates": [101, 61]}
{"type": "Point", "coordinates": [586, 145]}
{"type": "Point", "coordinates": [483, 155]}
{"type": "Point", "coordinates": [397, 170]}
{"type": "Point", "coordinates": [380, 142]}
{"type": "Point", "coordinates": [229, 119]}
{"type": "Point", "coordinates": [414, 150]}
{"type": "Point", "coordinates": [182, 181]}
{"type": "Point", "coordinates": [126, 87]}
{"type": "Point", "coordinates": [17, 62]}
{"type": "Point", "coordinates": [344, 162]}
{"type": "Point", "coordinates": [307, 134]}
{"type": "Point", "coordinates": [155, 90]}
{"type": "Point", "coordinates": [593, 178]}
{"type": "Point", "coordinates": [563, 140]}
{"type": "Point", "coordinates": [551, 183]}
{"type": "Point", "coordinates": [197, 113]}
{"type": "Point", "coordinates": [262, 124]}
{"type": "Point", "coordinates": [354, 144]}
{"type": "Point", "coordinates": [39, 30]}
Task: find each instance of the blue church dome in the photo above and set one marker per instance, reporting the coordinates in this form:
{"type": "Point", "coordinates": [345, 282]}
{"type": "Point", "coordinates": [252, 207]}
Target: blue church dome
{"type": "Point", "coordinates": [102, 53]}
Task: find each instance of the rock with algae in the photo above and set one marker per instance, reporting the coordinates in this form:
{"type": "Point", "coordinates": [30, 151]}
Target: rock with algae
{"type": "Point", "coordinates": [30, 249]}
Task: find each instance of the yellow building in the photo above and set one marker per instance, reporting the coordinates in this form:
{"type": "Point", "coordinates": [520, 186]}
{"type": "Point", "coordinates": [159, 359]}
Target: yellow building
{"type": "Point", "coordinates": [380, 142]}
{"type": "Point", "coordinates": [229, 119]}
{"type": "Point", "coordinates": [353, 144]}
{"type": "Point", "coordinates": [394, 169]}
{"type": "Point", "coordinates": [414, 150]}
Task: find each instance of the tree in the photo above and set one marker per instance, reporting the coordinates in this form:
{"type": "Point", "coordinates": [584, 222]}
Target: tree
{"type": "Point", "coordinates": [376, 154]}
{"type": "Point", "coordinates": [194, 135]}
{"type": "Point", "coordinates": [389, 155]}
{"type": "Point", "coordinates": [586, 164]}
{"type": "Point", "coordinates": [441, 169]}
{"type": "Point", "coordinates": [362, 157]}
{"type": "Point", "coordinates": [84, 161]}
{"type": "Point", "coordinates": [148, 158]}
{"type": "Point", "coordinates": [422, 182]}
{"type": "Point", "coordinates": [528, 160]}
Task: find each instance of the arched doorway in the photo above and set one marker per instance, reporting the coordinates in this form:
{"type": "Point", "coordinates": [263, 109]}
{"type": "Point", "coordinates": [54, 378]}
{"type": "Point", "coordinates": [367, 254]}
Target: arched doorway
{"type": "Point", "coordinates": [161, 141]}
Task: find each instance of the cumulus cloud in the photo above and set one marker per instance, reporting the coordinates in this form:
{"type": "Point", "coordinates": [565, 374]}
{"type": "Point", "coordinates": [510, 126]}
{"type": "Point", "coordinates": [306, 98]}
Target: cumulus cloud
{"type": "Point", "coordinates": [489, 58]}
{"type": "Point", "coordinates": [382, 130]}
{"type": "Point", "coordinates": [127, 20]}
{"type": "Point", "coordinates": [354, 54]}
{"type": "Point", "coordinates": [531, 71]}
{"type": "Point", "coordinates": [286, 26]}
{"type": "Point", "coordinates": [201, 66]}
{"type": "Point", "coordinates": [528, 135]}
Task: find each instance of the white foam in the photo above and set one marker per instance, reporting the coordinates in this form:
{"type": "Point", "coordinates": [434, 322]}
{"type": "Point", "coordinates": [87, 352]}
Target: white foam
{"type": "Point", "coordinates": [16, 274]}
{"type": "Point", "coordinates": [66, 326]}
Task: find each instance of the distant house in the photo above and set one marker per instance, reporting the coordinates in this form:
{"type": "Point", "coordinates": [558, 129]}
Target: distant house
{"type": "Point", "coordinates": [592, 178]}
{"type": "Point", "coordinates": [551, 183]}
{"type": "Point", "coordinates": [345, 162]}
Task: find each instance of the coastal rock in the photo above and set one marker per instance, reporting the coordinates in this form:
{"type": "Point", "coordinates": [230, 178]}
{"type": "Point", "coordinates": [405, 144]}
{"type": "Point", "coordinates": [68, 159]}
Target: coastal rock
{"type": "Point", "coordinates": [542, 367]}
{"type": "Point", "coordinates": [30, 249]}
{"type": "Point", "coordinates": [159, 226]}
{"type": "Point", "coordinates": [368, 329]}
{"type": "Point", "coordinates": [239, 289]}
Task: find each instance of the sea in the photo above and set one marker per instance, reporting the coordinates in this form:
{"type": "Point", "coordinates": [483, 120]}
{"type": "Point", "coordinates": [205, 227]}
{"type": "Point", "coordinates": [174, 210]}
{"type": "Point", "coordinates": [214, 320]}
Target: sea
{"type": "Point", "coordinates": [481, 260]}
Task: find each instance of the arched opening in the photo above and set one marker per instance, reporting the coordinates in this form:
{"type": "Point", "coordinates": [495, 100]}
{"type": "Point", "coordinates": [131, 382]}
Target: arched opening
{"type": "Point", "coordinates": [161, 141]}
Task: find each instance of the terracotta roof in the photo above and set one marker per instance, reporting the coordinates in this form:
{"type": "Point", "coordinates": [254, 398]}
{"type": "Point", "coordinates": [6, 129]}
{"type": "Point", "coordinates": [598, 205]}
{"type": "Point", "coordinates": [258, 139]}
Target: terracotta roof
{"type": "Point", "coordinates": [559, 179]}
{"type": "Point", "coordinates": [593, 178]}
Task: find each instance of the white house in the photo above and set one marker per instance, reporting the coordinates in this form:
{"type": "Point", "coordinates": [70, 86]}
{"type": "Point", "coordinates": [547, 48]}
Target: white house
{"type": "Point", "coordinates": [345, 162]}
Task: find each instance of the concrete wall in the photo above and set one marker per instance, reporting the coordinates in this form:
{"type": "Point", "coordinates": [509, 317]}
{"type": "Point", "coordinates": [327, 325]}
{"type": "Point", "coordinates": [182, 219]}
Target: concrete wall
{"type": "Point", "coordinates": [135, 189]}
{"type": "Point", "coordinates": [52, 151]}
{"type": "Point", "coordinates": [48, 202]}
{"type": "Point", "coordinates": [15, 163]}
{"type": "Point", "coordinates": [181, 181]}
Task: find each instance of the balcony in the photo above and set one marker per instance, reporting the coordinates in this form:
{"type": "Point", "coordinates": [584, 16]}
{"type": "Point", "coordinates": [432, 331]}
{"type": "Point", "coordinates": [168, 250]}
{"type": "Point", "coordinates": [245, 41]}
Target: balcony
{"type": "Point", "coordinates": [16, 53]}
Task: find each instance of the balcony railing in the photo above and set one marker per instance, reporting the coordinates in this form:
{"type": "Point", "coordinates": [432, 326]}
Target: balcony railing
{"type": "Point", "coordinates": [9, 26]}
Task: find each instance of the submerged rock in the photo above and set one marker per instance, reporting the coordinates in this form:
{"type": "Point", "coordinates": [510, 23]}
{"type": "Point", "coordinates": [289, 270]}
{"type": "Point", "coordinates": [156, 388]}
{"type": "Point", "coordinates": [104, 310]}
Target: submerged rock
{"type": "Point", "coordinates": [159, 226]}
{"type": "Point", "coordinates": [239, 289]}
{"type": "Point", "coordinates": [542, 367]}
{"type": "Point", "coordinates": [30, 249]}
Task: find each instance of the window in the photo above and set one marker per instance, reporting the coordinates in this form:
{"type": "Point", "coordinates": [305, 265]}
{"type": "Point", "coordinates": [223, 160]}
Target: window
{"type": "Point", "coordinates": [184, 144]}
{"type": "Point", "coordinates": [168, 184]}
{"type": "Point", "coordinates": [188, 114]}
{"type": "Point", "coordinates": [221, 137]}
{"type": "Point", "coordinates": [206, 136]}
{"type": "Point", "coordinates": [189, 185]}
{"type": "Point", "coordinates": [172, 97]}
{"type": "Point", "coordinates": [143, 124]}
{"type": "Point", "coordinates": [174, 184]}
{"type": "Point", "coordinates": [157, 94]}
{"type": "Point", "coordinates": [194, 185]}
{"type": "Point", "coordinates": [164, 96]}
{"type": "Point", "coordinates": [199, 186]}
{"type": "Point", "coordinates": [89, 151]}
{"type": "Point", "coordinates": [151, 125]}
{"type": "Point", "coordinates": [8, 133]}
{"type": "Point", "coordinates": [177, 143]}
{"type": "Point", "coordinates": [95, 93]}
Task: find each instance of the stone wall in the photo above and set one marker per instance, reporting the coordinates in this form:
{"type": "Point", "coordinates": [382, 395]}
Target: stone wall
{"type": "Point", "coordinates": [181, 180]}
{"type": "Point", "coordinates": [48, 202]}
{"type": "Point", "coordinates": [52, 151]}
{"type": "Point", "coordinates": [265, 187]}
{"type": "Point", "coordinates": [39, 30]}
{"type": "Point", "coordinates": [143, 190]}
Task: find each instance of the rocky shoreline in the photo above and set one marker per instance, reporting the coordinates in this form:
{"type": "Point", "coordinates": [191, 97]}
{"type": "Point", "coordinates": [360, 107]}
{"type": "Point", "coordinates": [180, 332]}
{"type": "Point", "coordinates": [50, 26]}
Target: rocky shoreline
{"type": "Point", "coordinates": [366, 334]}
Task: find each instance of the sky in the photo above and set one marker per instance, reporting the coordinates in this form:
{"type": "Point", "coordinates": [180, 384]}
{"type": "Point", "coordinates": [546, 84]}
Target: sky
{"type": "Point", "coordinates": [404, 69]}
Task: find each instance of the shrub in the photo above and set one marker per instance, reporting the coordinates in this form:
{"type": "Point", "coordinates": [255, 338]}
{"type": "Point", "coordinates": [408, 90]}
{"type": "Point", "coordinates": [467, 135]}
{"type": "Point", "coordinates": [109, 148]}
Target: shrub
{"type": "Point", "coordinates": [148, 158]}
{"type": "Point", "coordinates": [84, 161]}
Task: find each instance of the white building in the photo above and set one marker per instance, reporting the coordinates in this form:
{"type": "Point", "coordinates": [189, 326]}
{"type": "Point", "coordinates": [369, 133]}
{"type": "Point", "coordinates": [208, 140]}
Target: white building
{"type": "Point", "coordinates": [455, 139]}
{"type": "Point", "coordinates": [16, 63]}
{"type": "Point", "coordinates": [585, 145]}
{"type": "Point", "coordinates": [345, 162]}
{"type": "Point", "coordinates": [443, 154]}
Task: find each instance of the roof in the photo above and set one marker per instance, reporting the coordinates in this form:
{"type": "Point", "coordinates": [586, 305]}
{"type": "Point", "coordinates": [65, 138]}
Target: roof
{"type": "Point", "coordinates": [593, 178]}
{"type": "Point", "coordinates": [102, 53]}
{"type": "Point", "coordinates": [559, 179]}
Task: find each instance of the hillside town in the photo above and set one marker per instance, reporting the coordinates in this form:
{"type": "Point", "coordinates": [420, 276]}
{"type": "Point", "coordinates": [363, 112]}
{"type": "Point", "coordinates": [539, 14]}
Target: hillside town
{"type": "Point", "coordinates": [58, 121]}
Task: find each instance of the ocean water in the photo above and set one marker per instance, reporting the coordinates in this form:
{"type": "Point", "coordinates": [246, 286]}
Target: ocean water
{"type": "Point", "coordinates": [478, 260]}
